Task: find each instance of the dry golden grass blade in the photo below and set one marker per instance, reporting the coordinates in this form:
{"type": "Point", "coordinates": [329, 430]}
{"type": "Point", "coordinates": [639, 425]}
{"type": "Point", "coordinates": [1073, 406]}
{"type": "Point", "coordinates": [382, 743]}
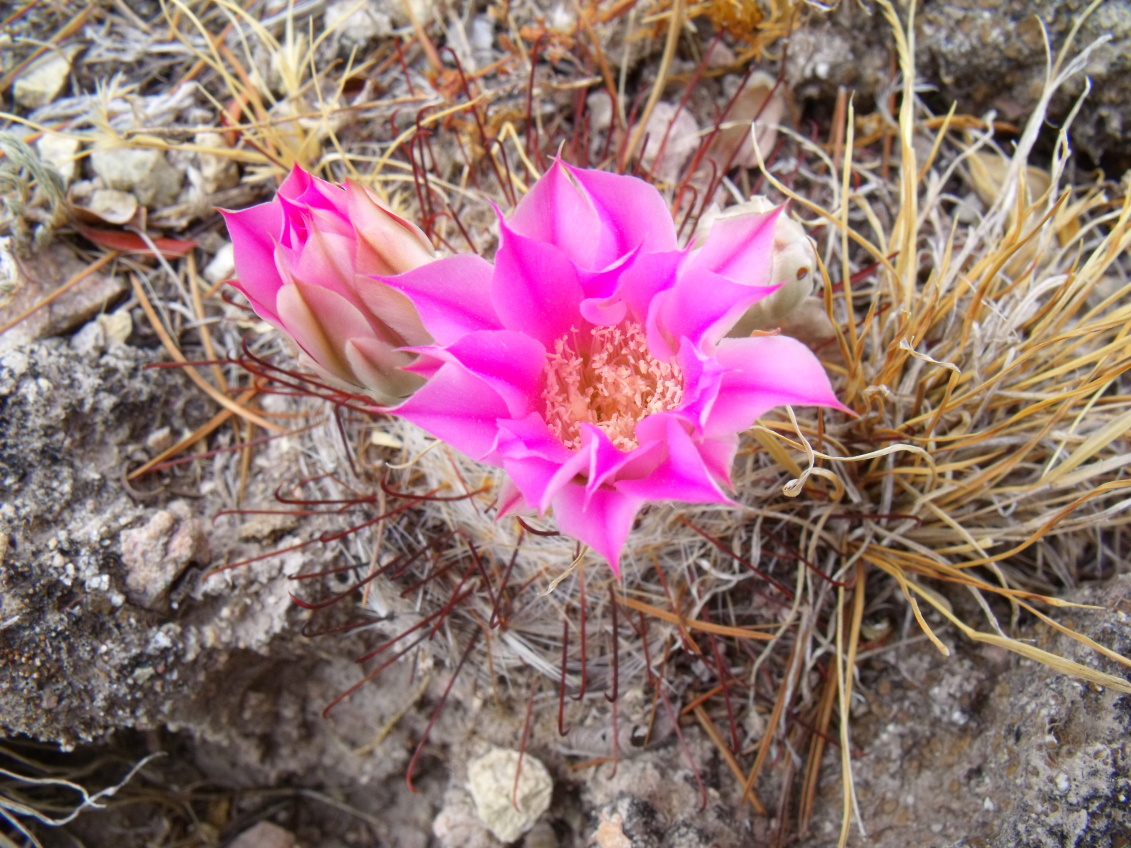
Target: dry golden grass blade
{"type": "Point", "coordinates": [202, 323]}
{"type": "Point", "coordinates": [813, 761]}
{"type": "Point", "coordinates": [199, 433]}
{"type": "Point", "coordinates": [793, 670]}
{"type": "Point", "coordinates": [175, 352]}
{"type": "Point", "coordinates": [846, 647]}
{"type": "Point", "coordinates": [904, 235]}
{"type": "Point", "coordinates": [1101, 439]}
{"type": "Point", "coordinates": [695, 624]}
{"type": "Point", "coordinates": [675, 26]}
{"type": "Point", "coordinates": [721, 746]}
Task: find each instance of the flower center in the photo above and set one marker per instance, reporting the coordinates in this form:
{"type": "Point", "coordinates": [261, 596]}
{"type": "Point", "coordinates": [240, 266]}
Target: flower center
{"type": "Point", "coordinates": [613, 385]}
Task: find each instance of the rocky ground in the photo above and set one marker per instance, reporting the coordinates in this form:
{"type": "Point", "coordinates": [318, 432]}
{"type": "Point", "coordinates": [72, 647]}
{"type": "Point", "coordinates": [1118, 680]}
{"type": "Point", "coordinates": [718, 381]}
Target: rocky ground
{"type": "Point", "coordinates": [113, 645]}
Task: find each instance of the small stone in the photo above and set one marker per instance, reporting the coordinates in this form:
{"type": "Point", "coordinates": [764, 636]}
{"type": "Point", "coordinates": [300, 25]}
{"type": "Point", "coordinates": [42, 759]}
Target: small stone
{"type": "Point", "coordinates": [541, 836]}
{"type": "Point", "coordinates": [672, 137]}
{"type": "Point", "coordinates": [90, 341]}
{"type": "Point", "coordinates": [357, 22]}
{"type": "Point", "coordinates": [35, 277]}
{"type": "Point", "coordinates": [223, 265]}
{"type": "Point", "coordinates": [156, 553]}
{"type": "Point", "coordinates": [491, 780]}
{"type": "Point", "coordinates": [264, 835]}
{"type": "Point", "coordinates": [482, 38]}
{"type": "Point", "coordinates": [266, 527]}
{"type": "Point", "coordinates": [117, 325]}
{"type": "Point", "coordinates": [158, 440]}
{"type": "Point", "coordinates": [61, 153]}
{"type": "Point", "coordinates": [457, 825]}
{"type": "Point", "coordinates": [217, 171]}
{"type": "Point", "coordinates": [105, 330]}
{"type": "Point", "coordinates": [144, 172]}
{"type": "Point", "coordinates": [760, 105]}
{"type": "Point", "coordinates": [113, 206]}
{"type": "Point", "coordinates": [42, 80]}
{"type": "Point", "coordinates": [719, 55]}
{"type": "Point", "coordinates": [610, 832]}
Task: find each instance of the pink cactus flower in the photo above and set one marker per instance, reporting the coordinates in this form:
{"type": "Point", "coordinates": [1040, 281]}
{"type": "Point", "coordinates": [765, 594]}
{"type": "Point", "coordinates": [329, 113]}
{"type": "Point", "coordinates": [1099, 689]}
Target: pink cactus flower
{"type": "Point", "coordinates": [307, 259]}
{"type": "Point", "coordinates": [589, 362]}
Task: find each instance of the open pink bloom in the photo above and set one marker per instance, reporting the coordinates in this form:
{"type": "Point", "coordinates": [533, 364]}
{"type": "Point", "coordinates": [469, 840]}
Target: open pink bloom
{"type": "Point", "coordinates": [306, 262]}
{"type": "Point", "coordinates": [589, 362]}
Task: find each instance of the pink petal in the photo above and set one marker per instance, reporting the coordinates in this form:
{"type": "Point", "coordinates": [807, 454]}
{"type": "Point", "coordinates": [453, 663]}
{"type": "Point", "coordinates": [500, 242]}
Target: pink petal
{"type": "Point", "coordinates": [325, 260]}
{"type": "Point", "coordinates": [531, 455]}
{"type": "Point", "coordinates": [509, 362]}
{"type": "Point", "coordinates": [740, 248]}
{"type": "Point", "coordinates": [452, 295]}
{"type": "Point", "coordinates": [606, 313]}
{"type": "Point", "coordinates": [315, 193]}
{"type": "Point", "coordinates": [597, 463]}
{"type": "Point", "coordinates": [334, 221]}
{"type": "Point", "coordinates": [633, 214]}
{"type": "Point", "coordinates": [764, 372]}
{"type": "Point", "coordinates": [378, 365]}
{"type": "Point", "coordinates": [718, 456]}
{"type": "Point", "coordinates": [555, 211]}
{"type": "Point", "coordinates": [320, 321]}
{"type": "Point", "coordinates": [602, 519]}
{"type": "Point", "coordinates": [532, 475]}
{"type": "Point", "coordinates": [510, 500]}
{"type": "Point", "coordinates": [702, 379]}
{"type": "Point", "coordinates": [295, 184]}
{"type": "Point", "coordinates": [387, 243]}
{"type": "Point", "coordinates": [535, 289]}
{"type": "Point", "coordinates": [253, 233]}
{"type": "Point", "coordinates": [701, 307]}
{"type": "Point", "coordinates": [458, 408]}
{"type": "Point", "coordinates": [603, 282]}
{"type": "Point", "coordinates": [390, 307]}
{"type": "Point", "coordinates": [602, 303]}
{"type": "Point", "coordinates": [683, 475]}
{"type": "Point", "coordinates": [644, 279]}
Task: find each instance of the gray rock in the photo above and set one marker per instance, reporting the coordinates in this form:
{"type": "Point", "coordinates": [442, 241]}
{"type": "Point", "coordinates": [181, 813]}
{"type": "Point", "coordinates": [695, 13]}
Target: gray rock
{"type": "Point", "coordinates": [509, 801]}
{"type": "Point", "coordinates": [43, 80]}
{"type": "Point", "coordinates": [37, 277]}
{"type": "Point", "coordinates": [982, 54]}
{"type": "Point", "coordinates": [157, 552]}
{"type": "Point", "coordinates": [217, 171]}
{"type": "Point", "coordinates": [144, 172]}
{"type": "Point", "coordinates": [227, 666]}
{"type": "Point", "coordinates": [987, 749]}
{"type": "Point", "coordinates": [358, 21]}
{"type": "Point", "coordinates": [264, 835]}
{"type": "Point", "coordinates": [992, 56]}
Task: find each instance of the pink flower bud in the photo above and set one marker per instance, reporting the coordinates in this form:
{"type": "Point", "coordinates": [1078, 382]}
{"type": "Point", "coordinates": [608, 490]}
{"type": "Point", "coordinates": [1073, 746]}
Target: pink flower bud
{"type": "Point", "coordinates": [793, 266]}
{"type": "Point", "coordinates": [306, 262]}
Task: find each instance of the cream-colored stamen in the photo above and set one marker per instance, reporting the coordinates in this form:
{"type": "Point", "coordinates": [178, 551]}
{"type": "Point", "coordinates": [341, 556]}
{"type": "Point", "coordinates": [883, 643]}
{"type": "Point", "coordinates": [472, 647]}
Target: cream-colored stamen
{"type": "Point", "coordinates": [613, 385]}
